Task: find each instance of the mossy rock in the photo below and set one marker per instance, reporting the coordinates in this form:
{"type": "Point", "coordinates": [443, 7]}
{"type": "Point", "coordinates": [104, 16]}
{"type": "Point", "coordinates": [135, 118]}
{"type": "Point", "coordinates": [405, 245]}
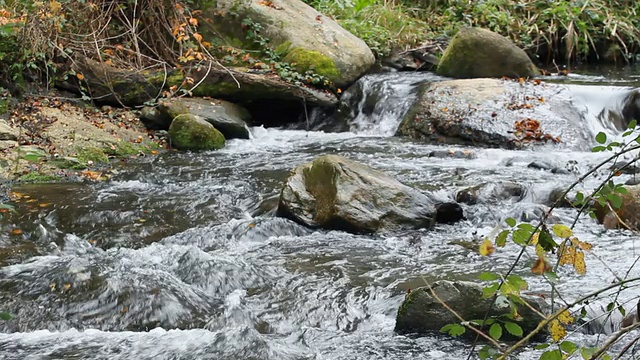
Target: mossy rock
{"type": "Point", "coordinates": [481, 53]}
{"type": "Point", "coordinates": [191, 132]}
{"type": "Point", "coordinates": [36, 177]}
{"type": "Point", "coordinates": [305, 60]}
{"type": "Point", "coordinates": [93, 154]}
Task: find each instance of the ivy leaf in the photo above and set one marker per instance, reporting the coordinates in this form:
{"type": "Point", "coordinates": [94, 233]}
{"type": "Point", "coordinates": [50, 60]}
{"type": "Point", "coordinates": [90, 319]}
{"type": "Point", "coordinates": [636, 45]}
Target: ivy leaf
{"type": "Point", "coordinates": [495, 331]}
{"type": "Point", "coordinates": [488, 276]}
{"type": "Point", "coordinates": [513, 328]}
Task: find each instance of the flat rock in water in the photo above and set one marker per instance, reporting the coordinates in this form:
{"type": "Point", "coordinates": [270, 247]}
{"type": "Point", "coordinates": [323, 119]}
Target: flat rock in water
{"type": "Point", "coordinates": [333, 192]}
{"type": "Point", "coordinates": [496, 113]}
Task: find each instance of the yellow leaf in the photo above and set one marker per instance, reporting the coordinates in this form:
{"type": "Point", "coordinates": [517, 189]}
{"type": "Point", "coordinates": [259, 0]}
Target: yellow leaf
{"type": "Point", "coordinates": [579, 264]}
{"type": "Point", "coordinates": [568, 255]}
{"type": "Point", "coordinates": [556, 330]}
{"type": "Point", "coordinates": [55, 6]}
{"type": "Point", "coordinates": [534, 238]}
{"type": "Point", "coordinates": [67, 286]}
{"type": "Point", "coordinates": [193, 21]}
{"type": "Point", "coordinates": [198, 37]}
{"type": "Point", "coordinates": [562, 231]}
{"type": "Point", "coordinates": [584, 245]}
{"type": "Point", "coordinates": [486, 248]}
{"type": "Point", "coordinates": [80, 76]}
{"type": "Point", "coordinates": [565, 318]}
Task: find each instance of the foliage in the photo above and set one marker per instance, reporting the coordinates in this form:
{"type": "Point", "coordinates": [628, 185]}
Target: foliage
{"type": "Point", "coordinates": [385, 25]}
{"type": "Point", "coordinates": [565, 30]}
{"type": "Point", "coordinates": [551, 247]}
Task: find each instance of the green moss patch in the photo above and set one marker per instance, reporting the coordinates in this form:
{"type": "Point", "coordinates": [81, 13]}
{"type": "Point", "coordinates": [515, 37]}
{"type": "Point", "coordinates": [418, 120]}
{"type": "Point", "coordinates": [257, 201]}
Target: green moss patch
{"type": "Point", "coordinates": [36, 177]}
{"type": "Point", "coordinates": [189, 132]}
{"type": "Point", "coordinates": [304, 60]}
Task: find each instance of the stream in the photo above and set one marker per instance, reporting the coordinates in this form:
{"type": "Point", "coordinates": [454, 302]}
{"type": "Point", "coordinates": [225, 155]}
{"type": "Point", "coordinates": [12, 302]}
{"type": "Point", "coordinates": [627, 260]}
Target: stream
{"type": "Point", "coordinates": [180, 256]}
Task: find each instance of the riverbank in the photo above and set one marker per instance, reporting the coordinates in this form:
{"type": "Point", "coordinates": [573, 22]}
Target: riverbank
{"type": "Point", "coordinates": [56, 137]}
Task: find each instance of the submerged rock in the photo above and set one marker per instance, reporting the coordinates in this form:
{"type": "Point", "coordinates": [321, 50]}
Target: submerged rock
{"type": "Point", "coordinates": [491, 193]}
{"type": "Point", "coordinates": [333, 192]}
{"type": "Point", "coordinates": [495, 113]}
{"type": "Point", "coordinates": [422, 313]}
{"type": "Point", "coordinates": [481, 53]}
{"type": "Point", "coordinates": [300, 33]}
{"type": "Point", "coordinates": [191, 132]}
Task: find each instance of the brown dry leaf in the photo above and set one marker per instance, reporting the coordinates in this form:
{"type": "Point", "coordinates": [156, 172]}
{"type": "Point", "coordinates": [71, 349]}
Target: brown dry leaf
{"type": "Point", "coordinates": [541, 266]}
{"type": "Point", "coordinates": [198, 37]}
{"type": "Point", "coordinates": [16, 231]}
{"type": "Point", "coordinates": [193, 21]}
{"type": "Point", "coordinates": [80, 76]}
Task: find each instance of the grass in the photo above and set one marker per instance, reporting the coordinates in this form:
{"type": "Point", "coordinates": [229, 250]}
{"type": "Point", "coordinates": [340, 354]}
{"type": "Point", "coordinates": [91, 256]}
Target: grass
{"type": "Point", "coordinates": [565, 31]}
{"type": "Point", "coordinates": [385, 25]}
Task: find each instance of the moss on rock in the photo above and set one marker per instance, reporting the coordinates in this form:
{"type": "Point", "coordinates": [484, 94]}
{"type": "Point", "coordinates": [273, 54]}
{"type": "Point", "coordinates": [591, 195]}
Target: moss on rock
{"type": "Point", "coordinates": [190, 132]}
{"type": "Point", "coordinates": [305, 60]}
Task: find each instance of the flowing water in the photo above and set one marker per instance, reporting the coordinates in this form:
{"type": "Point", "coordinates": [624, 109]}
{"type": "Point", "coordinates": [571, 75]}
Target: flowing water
{"type": "Point", "coordinates": [181, 257]}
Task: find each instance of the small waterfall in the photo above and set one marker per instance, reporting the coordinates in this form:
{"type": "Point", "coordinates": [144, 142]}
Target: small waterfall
{"type": "Point", "coordinates": [376, 104]}
{"type": "Point", "coordinates": [607, 109]}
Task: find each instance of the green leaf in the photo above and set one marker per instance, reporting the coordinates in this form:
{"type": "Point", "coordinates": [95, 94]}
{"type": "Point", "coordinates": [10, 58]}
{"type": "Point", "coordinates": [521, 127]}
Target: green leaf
{"type": "Point", "coordinates": [568, 347]}
{"type": "Point", "coordinates": [551, 276]}
{"type": "Point", "coordinates": [541, 346]}
{"type": "Point", "coordinates": [551, 355]}
{"type": "Point", "coordinates": [5, 316]}
{"type": "Point", "coordinates": [632, 124]}
{"type": "Point", "coordinates": [489, 291]}
{"type": "Point", "coordinates": [488, 276]}
{"type": "Point", "coordinates": [517, 282]}
{"type": "Point", "coordinates": [622, 310]}
{"type": "Point", "coordinates": [545, 240]}
{"type": "Point", "coordinates": [615, 200]}
{"type": "Point", "coordinates": [513, 328]}
{"type": "Point", "coordinates": [510, 221]}
{"type": "Point", "coordinates": [495, 331]}
{"type": "Point", "coordinates": [501, 239]}
{"type": "Point", "coordinates": [487, 352]}
{"type": "Point", "coordinates": [599, 148]}
{"type": "Point", "coordinates": [453, 329]}
{"type": "Point", "coordinates": [587, 352]}
{"type": "Point", "coordinates": [601, 138]}
{"type": "Point", "coordinates": [521, 237]}
{"type": "Point", "coordinates": [620, 189]}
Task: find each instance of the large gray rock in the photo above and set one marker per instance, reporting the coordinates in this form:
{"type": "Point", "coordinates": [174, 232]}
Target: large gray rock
{"type": "Point", "coordinates": [304, 35]}
{"type": "Point", "coordinates": [486, 112]}
{"type": "Point", "coordinates": [421, 313]}
{"type": "Point", "coordinates": [333, 192]}
{"type": "Point", "coordinates": [230, 119]}
{"type": "Point", "coordinates": [478, 53]}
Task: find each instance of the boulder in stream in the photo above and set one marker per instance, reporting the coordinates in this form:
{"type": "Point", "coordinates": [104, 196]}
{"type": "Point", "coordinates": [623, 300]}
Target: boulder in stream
{"type": "Point", "coordinates": [481, 53]}
{"type": "Point", "coordinates": [306, 38]}
{"type": "Point", "coordinates": [496, 113]}
{"type": "Point", "coordinates": [191, 132]}
{"type": "Point", "coordinates": [228, 118]}
{"type": "Point", "coordinates": [333, 192]}
{"type": "Point", "coordinates": [422, 313]}
{"type": "Point", "coordinates": [627, 216]}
